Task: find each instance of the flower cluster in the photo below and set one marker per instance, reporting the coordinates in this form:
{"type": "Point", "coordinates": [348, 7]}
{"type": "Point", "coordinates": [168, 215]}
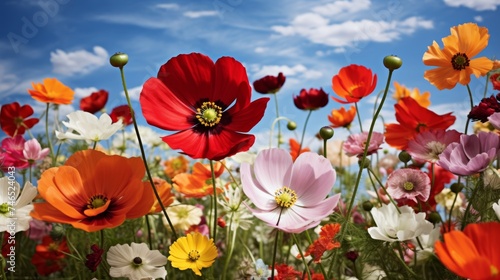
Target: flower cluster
{"type": "Point", "coordinates": [103, 198]}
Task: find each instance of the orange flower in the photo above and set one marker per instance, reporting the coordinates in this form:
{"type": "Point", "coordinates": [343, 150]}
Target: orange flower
{"type": "Point", "coordinates": [325, 242]}
{"type": "Point", "coordinates": [294, 149]}
{"type": "Point", "coordinates": [454, 61]}
{"type": "Point", "coordinates": [473, 253]}
{"type": "Point", "coordinates": [176, 165]}
{"type": "Point", "coordinates": [413, 119]}
{"type": "Point", "coordinates": [353, 82]}
{"type": "Point", "coordinates": [94, 191]}
{"type": "Point", "coordinates": [341, 117]}
{"type": "Point", "coordinates": [52, 91]}
{"type": "Point", "coordinates": [402, 91]}
{"type": "Point", "coordinates": [165, 192]}
{"type": "Point", "coordinates": [199, 183]}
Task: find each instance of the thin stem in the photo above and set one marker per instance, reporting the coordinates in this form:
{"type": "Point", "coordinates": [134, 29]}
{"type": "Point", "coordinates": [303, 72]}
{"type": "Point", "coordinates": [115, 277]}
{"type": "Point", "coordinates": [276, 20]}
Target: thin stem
{"type": "Point", "coordinates": [302, 257]}
{"type": "Point", "coordinates": [487, 83]}
{"type": "Point", "coordinates": [324, 148]}
{"type": "Point", "coordinates": [451, 211]}
{"type": "Point", "coordinates": [51, 148]}
{"type": "Point", "coordinates": [148, 226]}
{"type": "Point", "coordinates": [143, 154]}
{"type": "Point", "coordinates": [474, 193]}
{"type": "Point", "coordinates": [275, 249]}
{"type": "Point", "coordinates": [304, 131]}
{"type": "Point", "coordinates": [471, 106]}
{"type": "Point", "coordinates": [214, 231]}
{"type": "Point", "coordinates": [360, 172]}
{"type": "Point", "coordinates": [277, 117]}
{"type": "Point", "coordinates": [359, 117]}
{"type": "Point", "coordinates": [272, 129]}
{"type": "Point", "coordinates": [102, 238]}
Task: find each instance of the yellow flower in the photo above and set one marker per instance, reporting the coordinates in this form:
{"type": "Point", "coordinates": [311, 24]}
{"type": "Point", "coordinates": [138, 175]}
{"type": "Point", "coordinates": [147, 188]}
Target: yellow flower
{"type": "Point", "coordinates": [193, 251]}
{"type": "Point", "coordinates": [401, 92]}
{"type": "Point", "coordinates": [454, 62]}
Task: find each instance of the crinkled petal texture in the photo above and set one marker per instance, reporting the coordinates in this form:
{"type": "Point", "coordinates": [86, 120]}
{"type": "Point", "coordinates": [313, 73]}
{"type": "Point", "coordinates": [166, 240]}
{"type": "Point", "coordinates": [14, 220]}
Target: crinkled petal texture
{"type": "Point", "coordinates": [121, 259]}
{"type": "Point", "coordinates": [352, 83]}
{"type": "Point", "coordinates": [189, 83]}
{"type": "Point", "coordinates": [409, 184]}
{"type": "Point", "coordinates": [428, 145]}
{"type": "Point", "coordinates": [310, 177]}
{"type": "Point", "coordinates": [201, 249]}
{"type": "Point", "coordinates": [473, 253]}
{"type": "Point", "coordinates": [471, 155]}
{"type": "Point", "coordinates": [94, 191]}
{"type": "Point", "coordinates": [466, 40]}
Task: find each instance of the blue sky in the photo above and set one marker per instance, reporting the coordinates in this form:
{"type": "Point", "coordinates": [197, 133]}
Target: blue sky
{"type": "Point", "coordinates": [309, 41]}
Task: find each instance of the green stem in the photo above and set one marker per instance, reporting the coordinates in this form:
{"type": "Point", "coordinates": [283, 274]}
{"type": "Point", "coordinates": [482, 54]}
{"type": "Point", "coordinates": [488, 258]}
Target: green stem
{"type": "Point", "coordinates": [143, 154]}
{"type": "Point", "coordinates": [473, 196]}
{"type": "Point", "coordinates": [487, 83]}
{"type": "Point", "coordinates": [148, 226]}
{"type": "Point", "coordinates": [471, 106]}
{"type": "Point", "coordinates": [275, 249]}
{"type": "Point", "coordinates": [51, 148]}
{"type": "Point", "coordinates": [451, 211]}
{"type": "Point", "coordinates": [360, 172]}
{"type": "Point", "coordinates": [212, 171]}
{"type": "Point", "coordinates": [304, 131]}
{"type": "Point", "coordinates": [359, 117]}
{"type": "Point", "coordinates": [302, 257]}
{"type": "Point", "coordinates": [277, 117]}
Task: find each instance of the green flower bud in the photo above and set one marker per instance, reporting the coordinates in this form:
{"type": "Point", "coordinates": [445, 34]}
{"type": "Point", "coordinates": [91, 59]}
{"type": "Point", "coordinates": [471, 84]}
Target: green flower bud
{"type": "Point", "coordinates": [456, 187]}
{"type": "Point", "coordinates": [367, 206]}
{"type": "Point", "coordinates": [404, 156]}
{"type": "Point", "coordinates": [364, 164]}
{"type": "Point", "coordinates": [326, 132]}
{"type": "Point", "coordinates": [118, 59]}
{"type": "Point", "coordinates": [291, 125]}
{"type": "Point", "coordinates": [392, 62]}
{"type": "Point", "coordinates": [434, 217]}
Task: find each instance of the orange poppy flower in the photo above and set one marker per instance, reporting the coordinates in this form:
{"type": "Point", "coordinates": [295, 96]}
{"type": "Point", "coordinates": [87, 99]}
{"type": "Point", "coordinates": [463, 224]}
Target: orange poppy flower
{"type": "Point", "coordinates": [413, 119]}
{"type": "Point", "coordinates": [176, 165]}
{"type": "Point", "coordinates": [341, 117]}
{"type": "Point", "coordinates": [402, 91]}
{"type": "Point", "coordinates": [164, 190]}
{"type": "Point", "coordinates": [51, 91]}
{"type": "Point", "coordinates": [353, 82]}
{"type": "Point", "coordinates": [454, 61]}
{"type": "Point", "coordinates": [473, 253]}
{"type": "Point", "coordinates": [294, 149]}
{"type": "Point", "coordinates": [94, 191]}
{"type": "Point", "coordinates": [325, 242]}
{"type": "Point", "coordinates": [199, 183]}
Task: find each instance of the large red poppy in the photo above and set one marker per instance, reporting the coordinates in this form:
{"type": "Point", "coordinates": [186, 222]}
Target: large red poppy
{"type": "Point", "coordinates": [412, 119]}
{"type": "Point", "coordinates": [207, 104]}
{"type": "Point", "coordinates": [94, 102]}
{"type": "Point", "coordinates": [14, 118]}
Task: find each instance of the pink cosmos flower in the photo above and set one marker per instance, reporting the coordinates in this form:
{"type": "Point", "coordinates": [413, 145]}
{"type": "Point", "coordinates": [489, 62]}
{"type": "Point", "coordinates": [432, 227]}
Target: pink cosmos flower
{"type": "Point", "coordinates": [33, 151]}
{"type": "Point", "coordinates": [471, 155]}
{"type": "Point", "coordinates": [409, 184]}
{"type": "Point", "coordinates": [289, 195]}
{"type": "Point", "coordinates": [355, 143]}
{"type": "Point", "coordinates": [12, 152]}
{"type": "Point", "coordinates": [494, 120]}
{"type": "Point", "coordinates": [429, 144]}
{"type": "Point", "coordinates": [38, 229]}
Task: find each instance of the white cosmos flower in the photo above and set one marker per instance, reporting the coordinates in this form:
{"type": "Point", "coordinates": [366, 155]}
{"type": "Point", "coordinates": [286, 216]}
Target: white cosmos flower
{"type": "Point", "coordinates": [136, 261]}
{"type": "Point", "coordinates": [86, 126]}
{"type": "Point", "coordinates": [427, 242]}
{"type": "Point", "coordinates": [395, 226]}
{"type": "Point", "coordinates": [182, 216]}
{"type": "Point", "coordinates": [15, 208]}
{"type": "Point", "coordinates": [496, 208]}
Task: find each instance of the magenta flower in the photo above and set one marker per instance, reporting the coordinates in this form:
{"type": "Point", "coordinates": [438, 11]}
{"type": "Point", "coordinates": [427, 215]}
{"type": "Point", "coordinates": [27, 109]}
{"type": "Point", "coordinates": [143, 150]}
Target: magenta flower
{"type": "Point", "coordinates": [355, 143]}
{"type": "Point", "coordinates": [409, 184]}
{"type": "Point", "coordinates": [289, 196]}
{"type": "Point", "coordinates": [12, 153]}
{"type": "Point", "coordinates": [471, 155]}
{"type": "Point", "coordinates": [33, 151]}
{"type": "Point", "coordinates": [494, 120]}
{"type": "Point", "coordinates": [429, 144]}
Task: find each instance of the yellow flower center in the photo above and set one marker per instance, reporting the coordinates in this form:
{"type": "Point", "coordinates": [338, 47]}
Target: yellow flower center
{"type": "Point", "coordinates": [408, 186]}
{"type": "Point", "coordinates": [97, 201]}
{"type": "Point", "coordinates": [194, 255]}
{"type": "Point", "coordinates": [285, 197]}
{"type": "Point", "coordinates": [4, 208]}
{"type": "Point", "coordinates": [460, 61]}
{"type": "Point", "coordinates": [494, 270]}
{"type": "Point", "coordinates": [209, 114]}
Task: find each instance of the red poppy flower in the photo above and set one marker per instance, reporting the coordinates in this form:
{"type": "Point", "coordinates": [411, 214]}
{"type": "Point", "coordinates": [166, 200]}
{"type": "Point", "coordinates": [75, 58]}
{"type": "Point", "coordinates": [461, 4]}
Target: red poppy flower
{"type": "Point", "coordinates": [325, 242]}
{"type": "Point", "coordinates": [14, 119]}
{"type": "Point", "coordinates": [94, 102]}
{"type": "Point", "coordinates": [121, 112]}
{"type": "Point", "coordinates": [269, 84]}
{"type": "Point", "coordinates": [353, 82]}
{"type": "Point", "coordinates": [49, 255]}
{"type": "Point", "coordinates": [311, 100]}
{"type": "Point", "coordinates": [286, 272]}
{"type": "Point", "coordinates": [208, 104]}
{"type": "Point", "coordinates": [413, 119]}
{"type": "Point", "coordinates": [495, 80]}
{"type": "Point", "coordinates": [473, 253]}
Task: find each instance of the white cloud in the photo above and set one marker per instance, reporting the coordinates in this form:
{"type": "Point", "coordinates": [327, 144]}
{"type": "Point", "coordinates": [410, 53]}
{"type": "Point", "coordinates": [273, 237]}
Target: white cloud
{"type": "Point", "coordinates": [341, 7]}
{"type": "Point", "coordinates": [478, 5]}
{"type": "Point", "coordinates": [198, 14]}
{"type": "Point", "coordinates": [78, 62]}
{"type": "Point", "coordinates": [320, 30]}
{"type": "Point", "coordinates": [133, 93]}
{"type": "Point", "coordinates": [83, 92]}
{"type": "Point", "coordinates": [7, 80]}
{"type": "Point", "coordinates": [168, 6]}
{"type": "Point", "coordinates": [478, 18]}
{"type": "Point", "coordinates": [295, 75]}
{"type": "Point", "coordinates": [260, 49]}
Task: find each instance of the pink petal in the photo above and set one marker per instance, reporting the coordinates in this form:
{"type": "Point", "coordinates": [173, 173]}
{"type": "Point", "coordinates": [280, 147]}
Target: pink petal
{"type": "Point", "coordinates": [272, 169]}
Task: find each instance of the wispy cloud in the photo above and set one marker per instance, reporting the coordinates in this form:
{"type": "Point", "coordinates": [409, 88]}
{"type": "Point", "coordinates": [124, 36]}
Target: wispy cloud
{"type": "Point", "coordinates": [341, 7]}
{"type": "Point", "coordinates": [78, 62]}
{"type": "Point", "coordinates": [83, 92]}
{"type": "Point", "coordinates": [168, 6]}
{"type": "Point", "coordinates": [478, 5]}
{"type": "Point", "coordinates": [198, 14]}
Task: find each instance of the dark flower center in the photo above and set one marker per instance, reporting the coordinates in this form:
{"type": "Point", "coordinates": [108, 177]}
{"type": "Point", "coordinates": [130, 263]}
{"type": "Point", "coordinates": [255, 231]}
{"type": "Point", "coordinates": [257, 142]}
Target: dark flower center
{"type": "Point", "coordinates": [460, 61]}
{"type": "Point", "coordinates": [137, 261]}
{"type": "Point", "coordinates": [194, 255]}
{"type": "Point", "coordinates": [97, 201]}
{"type": "Point", "coordinates": [209, 114]}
